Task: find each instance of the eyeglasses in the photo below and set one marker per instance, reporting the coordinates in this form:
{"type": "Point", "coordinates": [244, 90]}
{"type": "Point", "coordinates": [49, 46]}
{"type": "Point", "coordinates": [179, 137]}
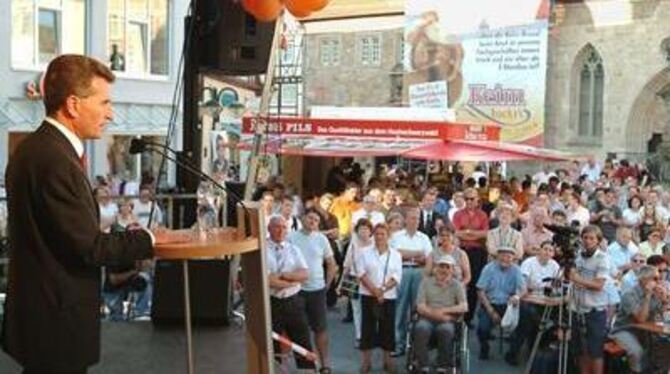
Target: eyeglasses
{"type": "Point", "coordinates": [469, 199]}
{"type": "Point", "coordinates": [639, 261]}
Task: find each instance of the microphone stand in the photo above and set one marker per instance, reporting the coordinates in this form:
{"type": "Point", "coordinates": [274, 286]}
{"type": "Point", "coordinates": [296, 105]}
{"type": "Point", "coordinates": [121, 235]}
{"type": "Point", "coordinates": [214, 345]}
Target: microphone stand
{"type": "Point", "coordinates": [161, 150]}
{"type": "Point", "coordinates": [158, 149]}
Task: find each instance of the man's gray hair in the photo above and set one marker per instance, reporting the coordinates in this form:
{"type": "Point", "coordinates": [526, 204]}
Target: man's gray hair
{"type": "Point", "coordinates": [276, 220]}
{"type": "Point", "coordinates": [646, 272]}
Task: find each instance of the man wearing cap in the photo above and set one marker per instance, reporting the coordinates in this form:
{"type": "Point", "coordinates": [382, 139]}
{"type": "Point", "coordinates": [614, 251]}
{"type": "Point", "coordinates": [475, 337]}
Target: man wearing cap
{"type": "Point", "coordinates": [501, 281]}
{"type": "Point", "coordinates": [440, 303]}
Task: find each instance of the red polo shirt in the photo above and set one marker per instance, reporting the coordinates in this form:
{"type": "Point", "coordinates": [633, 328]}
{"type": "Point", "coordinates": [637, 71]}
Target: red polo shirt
{"type": "Point", "coordinates": [471, 219]}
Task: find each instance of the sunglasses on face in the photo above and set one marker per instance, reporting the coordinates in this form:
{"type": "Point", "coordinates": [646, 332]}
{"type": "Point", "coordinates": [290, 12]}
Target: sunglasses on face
{"type": "Point", "coordinates": [639, 261]}
{"type": "Point", "coordinates": [469, 199]}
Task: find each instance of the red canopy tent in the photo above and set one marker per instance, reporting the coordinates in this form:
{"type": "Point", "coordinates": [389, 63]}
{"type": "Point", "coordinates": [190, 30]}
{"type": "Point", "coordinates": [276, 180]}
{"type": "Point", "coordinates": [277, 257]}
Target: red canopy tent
{"type": "Point", "coordinates": [476, 151]}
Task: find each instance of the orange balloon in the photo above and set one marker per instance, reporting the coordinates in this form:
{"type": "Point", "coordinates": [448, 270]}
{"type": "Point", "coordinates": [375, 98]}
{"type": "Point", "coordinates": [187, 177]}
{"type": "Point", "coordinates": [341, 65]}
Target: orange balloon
{"type": "Point", "coordinates": [302, 8]}
{"type": "Point", "coordinates": [263, 10]}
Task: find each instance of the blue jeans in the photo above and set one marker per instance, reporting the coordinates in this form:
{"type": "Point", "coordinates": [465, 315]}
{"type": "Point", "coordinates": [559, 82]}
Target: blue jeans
{"type": "Point", "coordinates": [141, 301]}
{"type": "Point", "coordinates": [485, 324]}
{"type": "Point", "coordinates": [407, 293]}
{"type": "Point", "coordinates": [444, 336]}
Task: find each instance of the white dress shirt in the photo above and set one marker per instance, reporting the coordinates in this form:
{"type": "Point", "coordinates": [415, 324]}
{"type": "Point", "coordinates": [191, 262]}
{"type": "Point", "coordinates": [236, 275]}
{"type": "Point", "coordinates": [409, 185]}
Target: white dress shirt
{"type": "Point", "coordinates": [77, 144]}
{"type": "Point", "coordinates": [284, 257]}
{"type": "Point", "coordinates": [418, 242]}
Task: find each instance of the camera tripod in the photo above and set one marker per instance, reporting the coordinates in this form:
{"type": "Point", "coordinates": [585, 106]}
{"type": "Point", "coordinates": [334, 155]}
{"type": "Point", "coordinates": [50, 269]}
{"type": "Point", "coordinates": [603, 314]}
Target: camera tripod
{"type": "Point", "coordinates": [547, 324]}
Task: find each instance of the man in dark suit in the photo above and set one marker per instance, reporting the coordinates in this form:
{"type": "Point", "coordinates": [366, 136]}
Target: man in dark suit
{"type": "Point", "coordinates": [52, 311]}
{"type": "Point", "coordinates": [428, 215]}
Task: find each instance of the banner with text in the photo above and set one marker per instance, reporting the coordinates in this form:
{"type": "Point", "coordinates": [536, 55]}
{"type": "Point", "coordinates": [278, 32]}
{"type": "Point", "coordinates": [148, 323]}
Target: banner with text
{"type": "Point", "coordinates": [492, 55]}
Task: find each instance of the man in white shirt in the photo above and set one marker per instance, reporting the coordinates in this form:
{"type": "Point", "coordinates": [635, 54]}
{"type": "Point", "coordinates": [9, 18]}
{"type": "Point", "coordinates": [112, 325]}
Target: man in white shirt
{"type": "Point", "coordinates": [142, 209]}
{"type": "Point", "coordinates": [287, 270]}
{"type": "Point", "coordinates": [369, 211]}
{"type": "Point", "coordinates": [542, 176]}
{"type": "Point", "coordinates": [414, 247]}
{"type": "Point", "coordinates": [317, 252]}
{"type": "Point", "coordinates": [536, 269]}
{"type": "Point", "coordinates": [577, 212]}
{"type": "Point", "coordinates": [591, 170]}
{"type": "Point", "coordinates": [108, 208]}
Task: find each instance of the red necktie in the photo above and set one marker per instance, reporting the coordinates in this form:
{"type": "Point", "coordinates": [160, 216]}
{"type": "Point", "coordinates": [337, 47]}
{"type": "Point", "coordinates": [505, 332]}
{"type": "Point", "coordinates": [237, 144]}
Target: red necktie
{"type": "Point", "coordinates": [83, 162]}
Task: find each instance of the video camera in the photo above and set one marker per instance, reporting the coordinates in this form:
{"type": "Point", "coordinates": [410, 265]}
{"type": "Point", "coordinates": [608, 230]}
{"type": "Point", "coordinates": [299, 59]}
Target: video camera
{"type": "Point", "coordinates": [566, 239]}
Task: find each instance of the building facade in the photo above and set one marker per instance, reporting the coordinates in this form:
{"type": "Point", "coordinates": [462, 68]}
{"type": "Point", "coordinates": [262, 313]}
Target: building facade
{"type": "Point", "coordinates": [141, 40]}
{"type": "Point", "coordinates": [354, 62]}
{"type": "Point", "coordinates": [608, 84]}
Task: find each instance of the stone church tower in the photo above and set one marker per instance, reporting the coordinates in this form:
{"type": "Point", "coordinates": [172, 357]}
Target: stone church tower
{"type": "Point", "coordinates": [608, 79]}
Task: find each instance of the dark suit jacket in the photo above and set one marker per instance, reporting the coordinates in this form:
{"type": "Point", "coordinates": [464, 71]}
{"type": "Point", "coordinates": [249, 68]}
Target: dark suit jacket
{"type": "Point", "coordinates": [52, 311]}
{"type": "Point", "coordinates": [428, 228]}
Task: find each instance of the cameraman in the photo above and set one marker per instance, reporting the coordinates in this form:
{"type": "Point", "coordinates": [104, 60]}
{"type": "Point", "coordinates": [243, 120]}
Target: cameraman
{"type": "Point", "coordinates": [589, 301]}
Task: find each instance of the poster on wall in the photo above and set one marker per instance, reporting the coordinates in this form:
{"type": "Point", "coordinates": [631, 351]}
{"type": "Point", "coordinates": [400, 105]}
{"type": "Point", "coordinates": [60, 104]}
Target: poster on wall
{"type": "Point", "coordinates": [492, 56]}
{"type": "Point", "coordinates": [220, 163]}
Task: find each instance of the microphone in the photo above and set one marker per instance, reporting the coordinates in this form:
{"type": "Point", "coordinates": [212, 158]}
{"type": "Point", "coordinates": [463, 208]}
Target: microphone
{"type": "Point", "coordinates": [138, 145]}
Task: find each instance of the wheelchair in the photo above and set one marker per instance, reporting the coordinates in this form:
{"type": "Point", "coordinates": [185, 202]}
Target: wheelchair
{"type": "Point", "coordinates": [460, 350]}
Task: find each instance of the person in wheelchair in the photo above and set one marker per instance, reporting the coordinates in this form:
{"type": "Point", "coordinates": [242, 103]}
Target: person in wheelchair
{"type": "Point", "coordinates": [441, 301]}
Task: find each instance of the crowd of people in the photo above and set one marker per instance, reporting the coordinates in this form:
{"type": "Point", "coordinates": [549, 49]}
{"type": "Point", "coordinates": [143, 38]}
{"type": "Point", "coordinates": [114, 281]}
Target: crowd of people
{"type": "Point", "coordinates": [127, 290]}
{"type": "Point", "coordinates": [460, 249]}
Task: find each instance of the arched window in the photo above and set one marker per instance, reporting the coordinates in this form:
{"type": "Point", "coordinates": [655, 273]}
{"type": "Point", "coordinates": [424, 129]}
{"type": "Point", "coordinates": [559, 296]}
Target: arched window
{"type": "Point", "coordinates": [591, 80]}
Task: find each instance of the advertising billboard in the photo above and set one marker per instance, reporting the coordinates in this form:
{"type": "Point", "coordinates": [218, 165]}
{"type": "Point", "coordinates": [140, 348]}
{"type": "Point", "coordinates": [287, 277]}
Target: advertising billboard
{"type": "Point", "coordinates": [485, 59]}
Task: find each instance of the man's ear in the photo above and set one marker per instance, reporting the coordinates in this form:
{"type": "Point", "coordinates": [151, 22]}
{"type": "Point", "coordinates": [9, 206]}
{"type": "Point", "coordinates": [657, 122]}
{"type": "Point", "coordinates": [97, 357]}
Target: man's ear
{"type": "Point", "coordinates": [71, 107]}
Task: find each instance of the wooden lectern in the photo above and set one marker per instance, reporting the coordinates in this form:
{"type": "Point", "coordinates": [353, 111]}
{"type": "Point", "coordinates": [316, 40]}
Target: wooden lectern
{"type": "Point", "coordinates": [247, 240]}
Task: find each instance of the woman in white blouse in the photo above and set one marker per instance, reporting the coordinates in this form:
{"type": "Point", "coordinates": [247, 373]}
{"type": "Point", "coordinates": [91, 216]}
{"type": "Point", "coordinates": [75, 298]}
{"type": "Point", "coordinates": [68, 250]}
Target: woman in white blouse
{"type": "Point", "coordinates": [379, 270]}
{"type": "Point", "coordinates": [360, 243]}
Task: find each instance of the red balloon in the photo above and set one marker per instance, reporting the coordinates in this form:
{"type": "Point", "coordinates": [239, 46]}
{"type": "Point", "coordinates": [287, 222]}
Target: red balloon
{"type": "Point", "coordinates": [263, 10]}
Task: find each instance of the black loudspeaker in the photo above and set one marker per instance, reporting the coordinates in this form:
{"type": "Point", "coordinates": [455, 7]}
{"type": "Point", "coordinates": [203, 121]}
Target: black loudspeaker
{"type": "Point", "coordinates": [209, 282]}
{"type": "Point", "coordinates": [231, 40]}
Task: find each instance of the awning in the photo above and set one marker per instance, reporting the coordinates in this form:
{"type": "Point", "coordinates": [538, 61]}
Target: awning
{"type": "Point", "coordinates": [422, 139]}
{"type": "Point", "coordinates": [333, 146]}
{"type": "Point", "coordinates": [461, 150]}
